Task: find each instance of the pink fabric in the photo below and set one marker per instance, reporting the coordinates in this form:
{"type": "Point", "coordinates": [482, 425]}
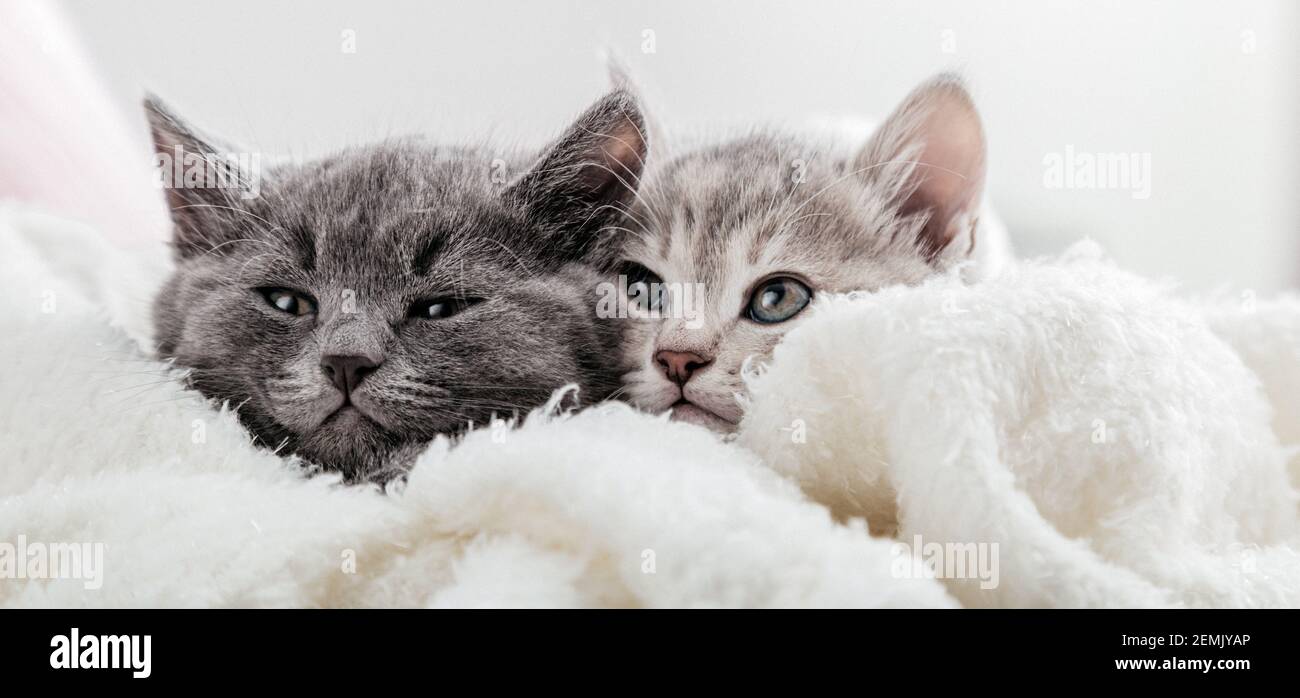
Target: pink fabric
{"type": "Point", "coordinates": [64, 146]}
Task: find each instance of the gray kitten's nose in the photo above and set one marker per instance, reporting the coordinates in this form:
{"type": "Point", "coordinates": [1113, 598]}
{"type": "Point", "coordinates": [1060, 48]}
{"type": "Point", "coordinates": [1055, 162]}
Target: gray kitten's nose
{"type": "Point", "coordinates": [347, 371]}
{"type": "Point", "coordinates": [679, 365]}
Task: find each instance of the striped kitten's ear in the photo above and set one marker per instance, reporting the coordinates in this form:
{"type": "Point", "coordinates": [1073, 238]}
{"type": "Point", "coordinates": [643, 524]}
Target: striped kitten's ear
{"type": "Point", "coordinates": [588, 177]}
{"type": "Point", "coordinates": [621, 78]}
{"type": "Point", "coordinates": [929, 156]}
{"type": "Point", "coordinates": [201, 180]}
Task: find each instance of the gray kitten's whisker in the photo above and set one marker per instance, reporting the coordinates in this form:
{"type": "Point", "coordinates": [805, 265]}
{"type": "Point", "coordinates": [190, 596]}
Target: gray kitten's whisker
{"type": "Point", "coordinates": [114, 372]}
{"type": "Point", "coordinates": [520, 262]}
{"type": "Point", "coordinates": [153, 403]}
{"type": "Point", "coordinates": [639, 233]}
{"type": "Point", "coordinates": [239, 275]}
{"type": "Point", "coordinates": [620, 212]}
{"type": "Point", "coordinates": [162, 374]}
{"type": "Point", "coordinates": [494, 386]}
{"type": "Point", "coordinates": [632, 188]}
{"type": "Point", "coordinates": [264, 231]}
{"type": "Point", "coordinates": [222, 207]}
{"type": "Point", "coordinates": [220, 245]}
{"type": "Point", "coordinates": [94, 357]}
{"type": "Point", "coordinates": [133, 391]}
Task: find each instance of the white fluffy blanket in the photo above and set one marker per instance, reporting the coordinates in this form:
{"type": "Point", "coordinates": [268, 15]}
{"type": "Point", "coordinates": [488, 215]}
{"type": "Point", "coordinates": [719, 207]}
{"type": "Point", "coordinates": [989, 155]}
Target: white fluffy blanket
{"type": "Point", "coordinates": [1103, 441]}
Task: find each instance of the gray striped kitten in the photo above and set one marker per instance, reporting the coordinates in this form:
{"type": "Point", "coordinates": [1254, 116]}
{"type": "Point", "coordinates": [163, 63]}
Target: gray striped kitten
{"type": "Point", "coordinates": [362, 304]}
{"type": "Point", "coordinates": [759, 225]}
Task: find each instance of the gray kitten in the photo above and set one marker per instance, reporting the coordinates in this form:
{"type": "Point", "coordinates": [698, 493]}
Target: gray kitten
{"type": "Point", "coordinates": [362, 304]}
{"type": "Point", "coordinates": [758, 226]}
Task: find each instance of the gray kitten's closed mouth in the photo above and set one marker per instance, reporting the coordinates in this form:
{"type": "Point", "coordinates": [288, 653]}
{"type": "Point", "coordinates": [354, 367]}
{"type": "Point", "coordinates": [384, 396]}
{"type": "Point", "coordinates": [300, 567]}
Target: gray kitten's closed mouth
{"type": "Point", "coordinates": [349, 412]}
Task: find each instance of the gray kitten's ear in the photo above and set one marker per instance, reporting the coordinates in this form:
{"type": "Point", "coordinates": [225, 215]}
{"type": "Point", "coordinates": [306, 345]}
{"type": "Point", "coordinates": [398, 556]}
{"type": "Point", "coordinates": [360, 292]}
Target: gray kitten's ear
{"type": "Point", "coordinates": [201, 182]}
{"type": "Point", "coordinates": [589, 176]}
{"type": "Point", "coordinates": [929, 156]}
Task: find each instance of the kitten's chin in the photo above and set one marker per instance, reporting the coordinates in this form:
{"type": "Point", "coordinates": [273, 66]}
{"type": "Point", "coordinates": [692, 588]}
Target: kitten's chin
{"type": "Point", "coordinates": [693, 414]}
{"type": "Point", "coordinates": [351, 442]}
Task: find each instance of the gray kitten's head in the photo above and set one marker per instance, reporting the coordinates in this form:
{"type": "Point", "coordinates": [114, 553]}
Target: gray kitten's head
{"type": "Point", "coordinates": [755, 227]}
{"type": "Point", "coordinates": [362, 304]}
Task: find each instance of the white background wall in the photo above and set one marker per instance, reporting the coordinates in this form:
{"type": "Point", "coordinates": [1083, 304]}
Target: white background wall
{"type": "Point", "coordinates": [1208, 89]}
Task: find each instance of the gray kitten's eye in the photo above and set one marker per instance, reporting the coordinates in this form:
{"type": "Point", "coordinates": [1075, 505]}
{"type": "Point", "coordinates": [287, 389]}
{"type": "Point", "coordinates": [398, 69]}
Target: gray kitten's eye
{"type": "Point", "coordinates": [645, 289]}
{"type": "Point", "coordinates": [288, 301]}
{"type": "Point", "coordinates": [647, 295]}
{"type": "Point", "coordinates": [440, 308]}
{"type": "Point", "coordinates": [777, 300]}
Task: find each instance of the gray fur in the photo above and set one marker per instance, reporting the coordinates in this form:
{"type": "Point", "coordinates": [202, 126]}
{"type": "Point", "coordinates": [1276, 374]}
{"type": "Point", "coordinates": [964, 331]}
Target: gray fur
{"type": "Point", "coordinates": [897, 210]}
{"type": "Point", "coordinates": [378, 229]}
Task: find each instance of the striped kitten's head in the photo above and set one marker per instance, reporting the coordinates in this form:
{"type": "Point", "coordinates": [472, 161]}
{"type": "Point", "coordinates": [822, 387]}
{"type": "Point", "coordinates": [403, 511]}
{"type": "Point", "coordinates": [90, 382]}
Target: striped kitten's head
{"type": "Point", "coordinates": [744, 234]}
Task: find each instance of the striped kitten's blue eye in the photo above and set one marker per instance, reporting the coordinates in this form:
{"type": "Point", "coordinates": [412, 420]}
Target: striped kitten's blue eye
{"type": "Point", "coordinates": [777, 300]}
{"type": "Point", "coordinates": [440, 308]}
{"type": "Point", "coordinates": [288, 301]}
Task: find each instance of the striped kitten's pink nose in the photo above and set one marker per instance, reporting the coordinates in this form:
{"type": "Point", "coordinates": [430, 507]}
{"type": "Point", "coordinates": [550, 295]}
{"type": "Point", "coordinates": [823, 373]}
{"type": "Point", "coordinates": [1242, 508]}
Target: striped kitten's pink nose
{"type": "Point", "coordinates": [679, 365]}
